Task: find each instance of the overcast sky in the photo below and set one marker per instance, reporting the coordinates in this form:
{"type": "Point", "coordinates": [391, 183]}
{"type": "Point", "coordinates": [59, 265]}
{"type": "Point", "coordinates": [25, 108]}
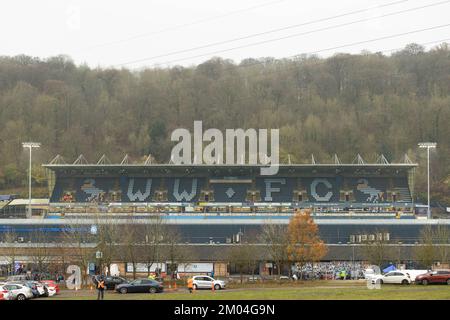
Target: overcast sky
{"type": "Point", "coordinates": [114, 33]}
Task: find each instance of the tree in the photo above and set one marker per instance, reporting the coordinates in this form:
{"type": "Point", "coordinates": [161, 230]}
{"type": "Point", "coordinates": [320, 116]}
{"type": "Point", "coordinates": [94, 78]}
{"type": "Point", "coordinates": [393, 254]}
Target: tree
{"type": "Point", "coordinates": [40, 251]}
{"type": "Point", "coordinates": [82, 246]}
{"type": "Point", "coordinates": [425, 252]}
{"type": "Point", "coordinates": [433, 245]}
{"type": "Point", "coordinates": [442, 241]}
{"type": "Point", "coordinates": [108, 237]}
{"type": "Point", "coordinates": [276, 241]}
{"type": "Point", "coordinates": [174, 253]}
{"type": "Point", "coordinates": [244, 256]}
{"type": "Point", "coordinates": [378, 251]}
{"type": "Point", "coordinates": [153, 234]}
{"type": "Point", "coordinates": [10, 238]}
{"type": "Point", "coordinates": [304, 243]}
{"type": "Point", "coordinates": [130, 244]}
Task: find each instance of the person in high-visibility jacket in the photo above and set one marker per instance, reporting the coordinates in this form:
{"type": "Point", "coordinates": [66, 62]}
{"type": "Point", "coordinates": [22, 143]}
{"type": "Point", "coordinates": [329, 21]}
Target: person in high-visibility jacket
{"type": "Point", "coordinates": [190, 284]}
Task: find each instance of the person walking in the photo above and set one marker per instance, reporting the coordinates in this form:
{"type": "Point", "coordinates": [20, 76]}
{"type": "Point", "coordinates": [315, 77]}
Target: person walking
{"type": "Point", "coordinates": [190, 284]}
{"type": "Point", "coordinates": [100, 288]}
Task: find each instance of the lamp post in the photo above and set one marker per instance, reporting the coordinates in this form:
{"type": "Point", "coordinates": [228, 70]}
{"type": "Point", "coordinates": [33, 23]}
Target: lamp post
{"type": "Point", "coordinates": [99, 257]}
{"type": "Point", "coordinates": [428, 145]}
{"type": "Point", "coordinates": [30, 145]}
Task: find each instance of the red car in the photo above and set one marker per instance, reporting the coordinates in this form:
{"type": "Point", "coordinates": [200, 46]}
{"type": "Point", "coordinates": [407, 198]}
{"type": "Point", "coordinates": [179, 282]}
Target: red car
{"type": "Point", "coordinates": [51, 283]}
{"type": "Point", "coordinates": [437, 276]}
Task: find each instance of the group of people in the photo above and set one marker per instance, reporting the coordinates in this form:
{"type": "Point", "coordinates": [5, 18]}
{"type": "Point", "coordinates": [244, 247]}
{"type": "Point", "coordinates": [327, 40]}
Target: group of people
{"type": "Point", "coordinates": [329, 270]}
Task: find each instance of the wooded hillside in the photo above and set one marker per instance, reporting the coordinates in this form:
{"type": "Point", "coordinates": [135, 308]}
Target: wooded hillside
{"type": "Point", "coordinates": [368, 103]}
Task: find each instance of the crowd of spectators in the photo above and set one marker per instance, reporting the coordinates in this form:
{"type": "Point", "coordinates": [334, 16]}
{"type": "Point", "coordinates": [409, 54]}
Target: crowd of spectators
{"type": "Point", "coordinates": [342, 270]}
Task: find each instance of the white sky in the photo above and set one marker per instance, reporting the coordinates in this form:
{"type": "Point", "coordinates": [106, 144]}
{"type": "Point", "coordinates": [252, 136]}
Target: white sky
{"type": "Point", "coordinates": [104, 32]}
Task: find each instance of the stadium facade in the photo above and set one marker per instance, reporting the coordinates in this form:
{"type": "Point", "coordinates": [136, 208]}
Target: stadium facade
{"type": "Point", "coordinates": [217, 205]}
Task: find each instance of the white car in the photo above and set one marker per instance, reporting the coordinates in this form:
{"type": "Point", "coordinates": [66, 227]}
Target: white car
{"type": "Point", "coordinates": [17, 291]}
{"type": "Point", "coordinates": [51, 291]}
{"type": "Point", "coordinates": [206, 282]}
{"type": "Point", "coordinates": [396, 276]}
{"type": "Point", "coordinates": [7, 295]}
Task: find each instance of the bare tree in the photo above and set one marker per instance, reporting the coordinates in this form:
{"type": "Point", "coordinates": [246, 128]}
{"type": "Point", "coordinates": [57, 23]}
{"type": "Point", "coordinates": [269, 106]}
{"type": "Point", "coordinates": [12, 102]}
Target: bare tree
{"type": "Point", "coordinates": [425, 251]}
{"type": "Point", "coordinates": [130, 246]}
{"type": "Point", "coordinates": [174, 252]}
{"type": "Point", "coordinates": [81, 242]}
{"type": "Point", "coordinates": [107, 239]}
{"type": "Point", "coordinates": [442, 240]}
{"type": "Point", "coordinates": [10, 251]}
{"type": "Point", "coordinates": [276, 241]}
{"type": "Point", "coordinates": [244, 258]}
{"type": "Point", "coordinates": [378, 251]}
{"type": "Point", "coordinates": [40, 251]}
{"type": "Point", "coordinates": [153, 234]}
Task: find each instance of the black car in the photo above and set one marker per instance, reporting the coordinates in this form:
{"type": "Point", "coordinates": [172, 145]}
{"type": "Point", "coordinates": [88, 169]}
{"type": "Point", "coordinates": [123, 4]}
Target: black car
{"type": "Point", "coordinates": [140, 285]}
{"type": "Point", "coordinates": [111, 282]}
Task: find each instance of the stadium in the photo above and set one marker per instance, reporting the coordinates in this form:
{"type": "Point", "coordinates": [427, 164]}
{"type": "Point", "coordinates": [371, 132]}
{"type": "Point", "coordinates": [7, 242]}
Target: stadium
{"type": "Point", "coordinates": [213, 207]}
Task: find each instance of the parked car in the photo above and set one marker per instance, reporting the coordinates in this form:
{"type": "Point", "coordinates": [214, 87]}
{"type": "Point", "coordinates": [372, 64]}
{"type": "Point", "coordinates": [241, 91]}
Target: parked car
{"type": "Point", "coordinates": [18, 291]}
{"type": "Point", "coordinates": [206, 282]}
{"type": "Point", "coordinates": [38, 289]}
{"type": "Point", "coordinates": [140, 285]}
{"type": "Point", "coordinates": [111, 282]}
{"type": "Point", "coordinates": [437, 276]}
{"type": "Point", "coordinates": [5, 294]}
{"type": "Point", "coordinates": [52, 287]}
{"type": "Point", "coordinates": [392, 277]}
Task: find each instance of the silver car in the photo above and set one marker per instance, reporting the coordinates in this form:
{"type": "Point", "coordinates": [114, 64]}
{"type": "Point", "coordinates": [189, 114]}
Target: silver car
{"type": "Point", "coordinates": [206, 282]}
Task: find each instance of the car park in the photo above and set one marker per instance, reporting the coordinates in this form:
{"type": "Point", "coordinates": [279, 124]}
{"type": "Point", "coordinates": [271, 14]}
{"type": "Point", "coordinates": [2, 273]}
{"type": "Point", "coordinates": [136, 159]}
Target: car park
{"type": "Point", "coordinates": [206, 282]}
{"type": "Point", "coordinates": [18, 291]}
{"type": "Point", "coordinates": [140, 285]}
{"type": "Point", "coordinates": [392, 277]}
{"type": "Point", "coordinates": [437, 276]}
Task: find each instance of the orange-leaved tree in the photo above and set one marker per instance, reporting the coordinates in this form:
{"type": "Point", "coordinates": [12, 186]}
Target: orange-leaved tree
{"type": "Point", "coordinates": [304, 243]}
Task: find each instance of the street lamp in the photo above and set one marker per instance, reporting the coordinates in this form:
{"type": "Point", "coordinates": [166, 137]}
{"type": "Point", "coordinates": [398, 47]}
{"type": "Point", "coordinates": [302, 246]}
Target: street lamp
{"type": "Point", "coordinates": [428, 145]}
{"type": "Point", "coordinates": [30, 145]}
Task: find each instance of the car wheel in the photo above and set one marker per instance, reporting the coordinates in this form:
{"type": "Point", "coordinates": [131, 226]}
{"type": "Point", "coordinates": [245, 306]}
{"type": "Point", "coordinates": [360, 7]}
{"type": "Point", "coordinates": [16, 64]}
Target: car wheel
{"type": "Point", "coordinates": [217, 287]}
{"type": "Point", "coordinates": [123, 290]}
{"type": "Point", "coordinates": [381, 281]}
{"type": "Point", "coordinates": [405, 282]}
{"type": "Point", "coordinates": [195, 287]}
{"type": "Point", "coordinates": [448, 282]}
{"type": "Point", "coordinates": [425, 282]}
{"type": "Point", "coordinates": [21, 297]}
{"type": "Point", "coordinates": [152, 290]}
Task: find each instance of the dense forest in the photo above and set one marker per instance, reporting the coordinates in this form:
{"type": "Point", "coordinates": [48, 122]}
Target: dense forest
{"type": "Point", "coordinates": [367, 103]}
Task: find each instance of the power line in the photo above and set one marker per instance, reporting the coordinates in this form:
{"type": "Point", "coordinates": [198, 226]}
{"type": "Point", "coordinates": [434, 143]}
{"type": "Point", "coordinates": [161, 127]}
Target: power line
{"type": "Point", "coordinates": [289, 36]}
{"type": "Point", "coordinates": [273, 30]}
{"type": "Point", "coordinates": [149, 34]}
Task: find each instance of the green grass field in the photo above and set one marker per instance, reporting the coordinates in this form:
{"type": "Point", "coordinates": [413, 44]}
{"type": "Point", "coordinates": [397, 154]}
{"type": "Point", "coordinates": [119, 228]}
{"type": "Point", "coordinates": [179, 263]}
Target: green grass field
{"type": "Point", "coordinates": [309, 292]}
